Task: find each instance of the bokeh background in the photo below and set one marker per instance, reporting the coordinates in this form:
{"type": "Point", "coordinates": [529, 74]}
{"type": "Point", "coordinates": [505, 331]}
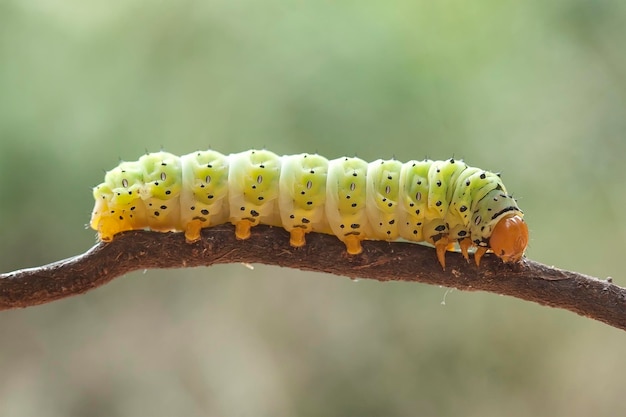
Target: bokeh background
{"type": "Point", "coordinates": [534, 89]}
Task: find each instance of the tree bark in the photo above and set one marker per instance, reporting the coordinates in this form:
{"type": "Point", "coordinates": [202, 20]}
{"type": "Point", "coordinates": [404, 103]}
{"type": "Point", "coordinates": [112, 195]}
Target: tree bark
{"type": "Point", "coordinates": [383, 261]}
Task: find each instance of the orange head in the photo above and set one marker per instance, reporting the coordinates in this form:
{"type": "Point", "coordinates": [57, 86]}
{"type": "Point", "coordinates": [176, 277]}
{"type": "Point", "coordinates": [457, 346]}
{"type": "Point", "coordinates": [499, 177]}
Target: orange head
{"type": "Point", "coordinates": [509, 238]}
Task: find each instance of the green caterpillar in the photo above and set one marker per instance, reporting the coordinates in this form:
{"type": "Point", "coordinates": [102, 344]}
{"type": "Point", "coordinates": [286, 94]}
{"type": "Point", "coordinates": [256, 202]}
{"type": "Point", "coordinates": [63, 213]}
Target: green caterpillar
{"type": "Point", "coordinates": [439, 202]}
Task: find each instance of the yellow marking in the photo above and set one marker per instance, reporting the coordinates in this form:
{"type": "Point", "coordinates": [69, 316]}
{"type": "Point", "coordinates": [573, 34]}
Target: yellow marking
{"type": "Point", "coordinates": [479, 254]}
{"type": "Point", "coordinates": [296, 238]}
{"type": "Point", "coordinates": [242, 229]}
{"type": "Point", "coordinates": [192, 231]}
{"type": "Point", "coordinates": [353, 245]}
{"type": "Point", "coordinates": [465, 244]}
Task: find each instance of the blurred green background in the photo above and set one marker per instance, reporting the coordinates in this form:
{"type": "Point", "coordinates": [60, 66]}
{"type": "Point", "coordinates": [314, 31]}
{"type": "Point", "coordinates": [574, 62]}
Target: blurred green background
{"type": "Point", "coordinates": [536, 90]}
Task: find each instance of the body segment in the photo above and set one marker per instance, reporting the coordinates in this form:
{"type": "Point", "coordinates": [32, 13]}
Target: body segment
{"type": "Point", "coordinates": [204, 194]}
{"type": "Point", "coordinates": [383, 199]}
{"type": "Point", "coordinates": [302, 196]}
{"type": "Point", "coordinates": [345, 202]}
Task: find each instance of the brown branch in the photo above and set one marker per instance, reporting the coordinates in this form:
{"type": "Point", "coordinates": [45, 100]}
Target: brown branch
{"type": "Point", "coordinates": [582, 294]}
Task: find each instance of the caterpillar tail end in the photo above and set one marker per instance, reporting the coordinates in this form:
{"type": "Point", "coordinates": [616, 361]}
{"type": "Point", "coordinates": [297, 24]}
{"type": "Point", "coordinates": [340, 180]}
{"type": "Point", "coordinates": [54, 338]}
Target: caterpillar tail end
{"type": "Point", "coordinates": [108, 228]}
{"type": "Point", "coordinates": [242, 229]}
{"type": "Point", "coordinates": [353, 244]}
{"type": "Point", "coordinates": [105, 237]}
{"type": "Point", "coordinates": [296, 237]}
{"type": "Point", "coordinates": [192, 231]}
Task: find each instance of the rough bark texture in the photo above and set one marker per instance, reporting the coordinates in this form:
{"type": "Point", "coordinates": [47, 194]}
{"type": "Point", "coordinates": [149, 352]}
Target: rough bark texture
{"type": "Point", "coordinates": [598, 299]}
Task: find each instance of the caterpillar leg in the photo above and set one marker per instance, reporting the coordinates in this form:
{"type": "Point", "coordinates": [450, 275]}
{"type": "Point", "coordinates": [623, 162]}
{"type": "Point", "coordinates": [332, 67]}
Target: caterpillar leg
{"type": "Point", "coordinates": [441, 246]}
{"type": "Point", "coordinates": [480, 251]}
{"type": "Point", "coordinates": [353, 244]}
{"type": "Point", "coordinates": [296, 238]}
{"type": "Point", "coordinates": [242, 229]}
{"type": "Point", "coordinates": [192, 231]}
{"type": "Point", "coordinates": [465, 244]}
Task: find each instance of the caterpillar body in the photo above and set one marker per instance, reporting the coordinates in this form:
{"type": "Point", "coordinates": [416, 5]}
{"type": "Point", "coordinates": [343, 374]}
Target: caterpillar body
{"type": "Point", "coordinates": [439, 202]}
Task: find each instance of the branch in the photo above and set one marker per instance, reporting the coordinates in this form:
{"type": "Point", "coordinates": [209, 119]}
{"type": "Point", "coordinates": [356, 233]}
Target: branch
{"type": "Point", "coordinates": [382, 261]}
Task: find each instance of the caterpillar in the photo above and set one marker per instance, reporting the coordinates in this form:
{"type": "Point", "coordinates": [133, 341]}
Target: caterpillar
{"type": "Point", "coordinates": [439, 202]}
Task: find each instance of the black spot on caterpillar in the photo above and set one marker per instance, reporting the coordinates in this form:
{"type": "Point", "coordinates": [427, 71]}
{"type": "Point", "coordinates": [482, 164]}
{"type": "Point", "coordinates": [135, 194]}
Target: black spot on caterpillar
{"type": "Point", "coordinates": [438, 202]}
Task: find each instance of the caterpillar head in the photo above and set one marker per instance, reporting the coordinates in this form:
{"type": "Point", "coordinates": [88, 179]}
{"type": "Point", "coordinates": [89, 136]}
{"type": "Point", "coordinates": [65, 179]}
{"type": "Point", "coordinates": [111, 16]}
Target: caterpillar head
{"type": "Point", "coordinates": [509, 238]}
